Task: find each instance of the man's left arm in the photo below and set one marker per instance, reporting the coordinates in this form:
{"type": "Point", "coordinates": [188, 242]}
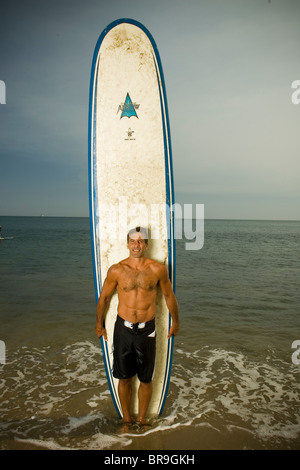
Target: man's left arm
{"type": "Point", "coordinates": [171, 301]}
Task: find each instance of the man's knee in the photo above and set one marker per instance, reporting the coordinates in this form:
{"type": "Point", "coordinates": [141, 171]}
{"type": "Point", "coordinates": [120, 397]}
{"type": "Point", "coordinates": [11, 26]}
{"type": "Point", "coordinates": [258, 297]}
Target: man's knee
{"type": "Point", "coordinates": [146, 385]}
{"type": "Point", "coordinates": [125, 382]}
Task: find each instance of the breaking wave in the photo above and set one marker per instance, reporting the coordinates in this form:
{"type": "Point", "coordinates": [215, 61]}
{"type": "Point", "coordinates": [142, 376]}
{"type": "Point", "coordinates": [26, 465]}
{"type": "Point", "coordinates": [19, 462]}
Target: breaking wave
{"type": "Point", "coordinates": [59, 399]}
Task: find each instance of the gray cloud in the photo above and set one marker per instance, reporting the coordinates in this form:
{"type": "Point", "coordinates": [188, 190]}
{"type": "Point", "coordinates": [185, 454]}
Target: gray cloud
{"type": "Point", "coordinates": [228, 69]}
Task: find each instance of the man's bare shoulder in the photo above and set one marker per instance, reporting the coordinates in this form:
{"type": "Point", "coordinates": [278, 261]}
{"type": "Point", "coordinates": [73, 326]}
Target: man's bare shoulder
{"type": "Point", "coordinates": [122, 264]}
{"type": "Point", "coordinates": [159, 269]}
{"type": "Point", "coordinates": [114, 271]}
{"type": "Point", "coordinates": [120, 267]}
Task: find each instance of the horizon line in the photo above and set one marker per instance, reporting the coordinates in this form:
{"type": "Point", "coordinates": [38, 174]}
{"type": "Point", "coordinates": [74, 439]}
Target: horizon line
{"type": "Point", "coordinates": [178, 218]}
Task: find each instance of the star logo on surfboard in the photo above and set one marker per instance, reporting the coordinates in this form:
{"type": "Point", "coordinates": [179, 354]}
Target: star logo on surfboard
{"type": "Point", "coordinates": [128, 108]}
{"type": "Point", "coordinates": [130, 134]}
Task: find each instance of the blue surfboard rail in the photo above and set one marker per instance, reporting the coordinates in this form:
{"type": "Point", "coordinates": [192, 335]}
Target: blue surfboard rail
{"type": "Point", "coordinates": [169, 196]}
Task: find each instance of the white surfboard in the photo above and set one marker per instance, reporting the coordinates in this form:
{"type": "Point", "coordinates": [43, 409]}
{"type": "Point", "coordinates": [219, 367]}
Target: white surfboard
{"type": "Point", "coordinates": [130, 177]}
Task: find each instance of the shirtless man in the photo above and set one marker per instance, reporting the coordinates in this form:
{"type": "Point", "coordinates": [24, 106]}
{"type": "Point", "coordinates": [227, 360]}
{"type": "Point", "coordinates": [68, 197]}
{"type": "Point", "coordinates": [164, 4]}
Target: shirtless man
{"type": "Point", "coordinates": [136, 279]}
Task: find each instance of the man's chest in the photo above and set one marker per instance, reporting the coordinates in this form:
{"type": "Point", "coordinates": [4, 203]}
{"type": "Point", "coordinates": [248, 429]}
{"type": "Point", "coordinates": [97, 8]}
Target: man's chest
{"type": "Point", "coordinates": [135, 279]}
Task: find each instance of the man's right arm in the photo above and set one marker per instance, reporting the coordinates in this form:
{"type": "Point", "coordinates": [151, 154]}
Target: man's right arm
{"type": "Point", "coordinates": [171, 300]}
{"type": "Point", "coordinates": [108, 288]}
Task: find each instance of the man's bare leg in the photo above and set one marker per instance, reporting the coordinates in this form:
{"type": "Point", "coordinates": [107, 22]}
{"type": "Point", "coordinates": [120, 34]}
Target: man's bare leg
{"type": "Point", "coordinates": [124, 389]}
{"type": "Point", "coordinates": [144, 394]}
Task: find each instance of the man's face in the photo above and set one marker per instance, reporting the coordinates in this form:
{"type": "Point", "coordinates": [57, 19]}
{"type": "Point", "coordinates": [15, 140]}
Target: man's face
{"type": "Point", "coordinates": [137, 245]}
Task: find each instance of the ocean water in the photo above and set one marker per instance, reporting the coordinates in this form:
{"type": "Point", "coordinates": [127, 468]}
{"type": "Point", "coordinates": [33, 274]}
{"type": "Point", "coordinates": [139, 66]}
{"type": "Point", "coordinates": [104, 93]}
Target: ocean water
{"type": "Point", "coordinates": [235, 378]}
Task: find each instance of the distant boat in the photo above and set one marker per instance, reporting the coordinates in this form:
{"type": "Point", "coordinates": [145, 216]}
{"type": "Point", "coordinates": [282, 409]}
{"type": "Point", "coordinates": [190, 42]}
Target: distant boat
{"type": "Point", "coordinates": [4, 238]}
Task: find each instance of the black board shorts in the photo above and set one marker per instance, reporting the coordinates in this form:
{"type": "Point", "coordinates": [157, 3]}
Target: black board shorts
{"type": "Point", "coordinates": [134, 350]}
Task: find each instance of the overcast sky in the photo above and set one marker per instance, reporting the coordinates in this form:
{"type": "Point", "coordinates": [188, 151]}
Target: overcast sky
{"type": "Point", "coordinates": [228, 66]}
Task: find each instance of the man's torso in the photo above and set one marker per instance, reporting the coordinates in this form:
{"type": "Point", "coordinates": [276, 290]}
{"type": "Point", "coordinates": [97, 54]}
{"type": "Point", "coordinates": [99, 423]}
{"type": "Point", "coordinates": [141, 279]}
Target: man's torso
{"type": "Point", "coordinates": [137, 290]}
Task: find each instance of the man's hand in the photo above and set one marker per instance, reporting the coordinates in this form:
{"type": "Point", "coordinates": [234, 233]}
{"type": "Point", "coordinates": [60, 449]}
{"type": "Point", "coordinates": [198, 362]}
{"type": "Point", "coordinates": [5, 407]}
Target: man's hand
{"type": "Point", "coordinates": [100, 331]}
{"type": "Point", "coordinates": [174, 330]}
